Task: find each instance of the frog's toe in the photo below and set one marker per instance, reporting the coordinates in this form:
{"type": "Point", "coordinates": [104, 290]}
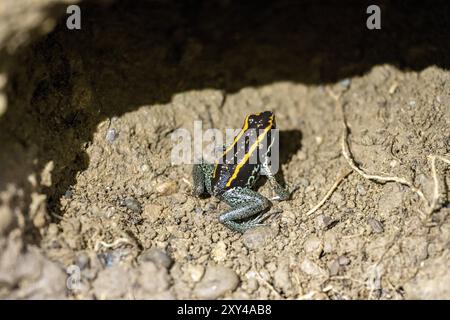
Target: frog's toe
{"type": "Point", "coordinates": [282, 195]}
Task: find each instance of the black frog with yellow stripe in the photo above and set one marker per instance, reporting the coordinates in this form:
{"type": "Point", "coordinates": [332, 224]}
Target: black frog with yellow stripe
{"type": "Point", "coordinates": [233, 178]}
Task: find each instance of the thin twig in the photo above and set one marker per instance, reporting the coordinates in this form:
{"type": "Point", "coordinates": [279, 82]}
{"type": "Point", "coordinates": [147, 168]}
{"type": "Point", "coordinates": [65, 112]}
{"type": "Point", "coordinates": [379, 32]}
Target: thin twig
{"type": "Point", "coordinates": [329, 193]}
{"type": "Point", "coordinates": [110, 245]}
{"type": "Point", "coordinates": [267, 284]}
{"type": "Point", "coordinates": [436, 193]}
{"type": "Point", "coordinates": [351, 162]}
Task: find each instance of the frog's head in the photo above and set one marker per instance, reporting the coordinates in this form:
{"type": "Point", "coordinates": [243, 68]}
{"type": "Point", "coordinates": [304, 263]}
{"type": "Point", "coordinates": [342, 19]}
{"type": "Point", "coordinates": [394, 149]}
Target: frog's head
{"type": "Point", "coordinates": [261, 120]}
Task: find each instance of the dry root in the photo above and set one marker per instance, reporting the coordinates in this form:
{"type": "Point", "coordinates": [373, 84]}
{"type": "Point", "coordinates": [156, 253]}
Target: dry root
{"type": "Point", "coordinates": [429, 206]}
{"type": "Point", "coordinates": [329, 193]}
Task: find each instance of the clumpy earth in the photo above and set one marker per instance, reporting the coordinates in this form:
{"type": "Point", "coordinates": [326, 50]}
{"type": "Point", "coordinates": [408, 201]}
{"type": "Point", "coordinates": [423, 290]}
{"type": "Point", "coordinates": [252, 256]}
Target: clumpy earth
{"type": "Point", "coordinates": [92, 207]}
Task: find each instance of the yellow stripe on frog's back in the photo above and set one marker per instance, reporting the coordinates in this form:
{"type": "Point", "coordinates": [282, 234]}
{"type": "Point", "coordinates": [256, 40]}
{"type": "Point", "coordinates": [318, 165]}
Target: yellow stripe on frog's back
{"type": "Point", "coordinates": [231, 147]}
{"type": "Point", "coordinates": [250, 151]}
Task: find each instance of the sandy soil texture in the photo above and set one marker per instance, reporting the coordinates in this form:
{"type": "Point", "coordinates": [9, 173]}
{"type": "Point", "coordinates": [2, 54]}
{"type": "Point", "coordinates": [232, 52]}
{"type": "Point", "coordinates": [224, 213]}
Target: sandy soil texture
{"type": "Point", "coordinates": [87, 186]}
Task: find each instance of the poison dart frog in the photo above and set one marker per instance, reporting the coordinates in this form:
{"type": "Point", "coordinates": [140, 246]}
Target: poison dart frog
{"type": "Point", "coordinates": [232, 179]}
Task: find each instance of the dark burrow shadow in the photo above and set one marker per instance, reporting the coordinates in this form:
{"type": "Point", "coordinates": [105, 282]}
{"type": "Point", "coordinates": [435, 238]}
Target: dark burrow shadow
{"type": "Point", "coordinates": [134, 53]}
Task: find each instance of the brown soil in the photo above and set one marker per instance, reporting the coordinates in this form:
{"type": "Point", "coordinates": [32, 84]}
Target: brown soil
{"type": "Point", "coordinates": [126, 217]}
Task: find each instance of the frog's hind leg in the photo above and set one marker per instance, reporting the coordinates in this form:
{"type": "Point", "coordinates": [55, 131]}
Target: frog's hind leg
{"type": "Point", "coordinates": [244, 203]}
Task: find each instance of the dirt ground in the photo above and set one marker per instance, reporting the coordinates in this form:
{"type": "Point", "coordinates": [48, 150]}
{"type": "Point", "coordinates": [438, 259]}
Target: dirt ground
{"type": "Point", "coordinates": [87, 183]}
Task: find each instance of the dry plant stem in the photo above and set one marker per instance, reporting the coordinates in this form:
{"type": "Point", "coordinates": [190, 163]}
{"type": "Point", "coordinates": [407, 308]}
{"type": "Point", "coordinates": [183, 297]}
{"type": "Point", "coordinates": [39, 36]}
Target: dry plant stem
{"type": "Point", "coordinates": [110, 245]}
{"type": "Point", "coordinates": [348, 156]}
{"type": "Point", "coordinates": [268, 285]}
{"type": "Point", "coordinates": [329, 193]}
{"type": "Point", "coordinates": [436, 193]}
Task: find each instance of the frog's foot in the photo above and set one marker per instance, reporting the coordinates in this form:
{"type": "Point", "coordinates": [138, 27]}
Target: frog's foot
{"type": "Point", "coordinates": [281, 194]}
{"type": "Point", "coordinates": [245, 203]}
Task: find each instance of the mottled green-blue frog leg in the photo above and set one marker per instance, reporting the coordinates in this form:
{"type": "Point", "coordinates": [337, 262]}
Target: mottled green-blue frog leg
{"type": "Point", "coordinates": [281, 193]}
{"type": "Point", "coordinates": [244, 204]}
{"type": "Point", "coordinates": [202, 173]}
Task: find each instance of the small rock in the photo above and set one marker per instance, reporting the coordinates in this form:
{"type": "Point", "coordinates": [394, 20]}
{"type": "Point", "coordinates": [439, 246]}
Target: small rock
{"type": "Point", "coordinates": [376, 225]}
{"type": "Point", "coordinates": [167, 188]}
{"type": "Point", "coordinates": [68, 194]}
{"type": "Point", "coordinates": [219, 253]}
{"type": "Point", "coordinates": [325, 222]}
{"type": "Point", "coordinates": [310, 268]}
{"type": "Point", "coordinates": [345, 83]}
{"type": "Point", "coordinates": [153, 282]}
{"type": "Point", "coordinates": [281, 278]}
{"type": "Point", "coordinates": [329, 242]}
{"type": "Point", "coordinates": [333, 267]}
{"type": "Point", "coordinates": [361, 189]}
{"type": "Point", "coordinates": [252, 285]}
{"type": "Point", "coordinates": [195, 272]}
{"type": "Point", "coordinates": [112, 283]}
{"type": "Point", "coordinates": [258, 237]}
{"type": "Point", "coordinates": [313, 246]}
{"type": "Point", "coordinates": [217, 281]}
{"type": "Point", "coordinates": [132, 204]}
{"type": "Point", "coordinates": [304, 182]}
{"type": "Point", "coordinates": [343, 261]}
{"type": "Point", "coordinates": [82, 261]}
{"type": "Point", "coordinates": [157, 256]}
{"type": "Point", "coordinates": [112, 257]}
{"type": "Point", "coordinates": [152, 212]}
{"type": "Point", "coordinates": [111, 135]}
{"type": "Point", "coordinates": [7, 220]}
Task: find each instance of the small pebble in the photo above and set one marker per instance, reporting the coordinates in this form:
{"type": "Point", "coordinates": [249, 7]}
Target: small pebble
{"type": "Point", "coordinates": [132, 204]}
{"type": "Point", "coordinates": [82, 261]}
{"type": "Point", "coordinates": [345, 83]}
{"type": "Point", "coordinates": [311, 268]}
{"type": "Point", "coordinates": [258, 237]}
{"type": "Point", "coordinates": [158, 256]}
{"type": "Point", "coordinates": [198, 210]}
{"type": "Point", "coordinates": [361, 189]}
{"type": "Point", "coordinates": [282, 279]}
{"type": "Point", "coordinates": [219, 252]}
{"type": "Point", "coordinates": [313, 246]}
{"type": "Point", "coordinates": [112, 283]}
{"type": "Point", "coordinates": [112, 257]}
{"type": "Point", "coordinates": [167, 188]}
{"type": "Point", "coordinates": [329, 242]}
{"type": "Point", "coordinates": [304, 182]}
{"type": "Point", "coordinates": [252, 285]}
{"type": "Point", "coordinates": [195, 272]}
{"type": "Point", "coordinates": [343, 261]}
{"type": "Point", "coordinates": [333, 268]}
{"type": "Point", "coordinates": [217, 281]}
{"type": "Point", "coordinates": [68, 194]}
{"type": "Point", "coordinates": [111, 135]}
{"type": "Point", "coordinates": [376, 225]}
{"type": "Point", "coordinates": [152, 212]}
{"type": "Point", "coordinates": [325, 222]}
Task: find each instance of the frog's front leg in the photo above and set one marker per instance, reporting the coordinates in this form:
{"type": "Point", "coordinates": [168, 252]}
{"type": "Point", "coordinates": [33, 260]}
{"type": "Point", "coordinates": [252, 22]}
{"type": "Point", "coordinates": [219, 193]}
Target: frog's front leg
{"type": "Point", "coordinates": [244, 204]}
{"type": "Point", "coordinates": [280, 192]}
{"type": "Point", "coordinates": [201, 174]}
